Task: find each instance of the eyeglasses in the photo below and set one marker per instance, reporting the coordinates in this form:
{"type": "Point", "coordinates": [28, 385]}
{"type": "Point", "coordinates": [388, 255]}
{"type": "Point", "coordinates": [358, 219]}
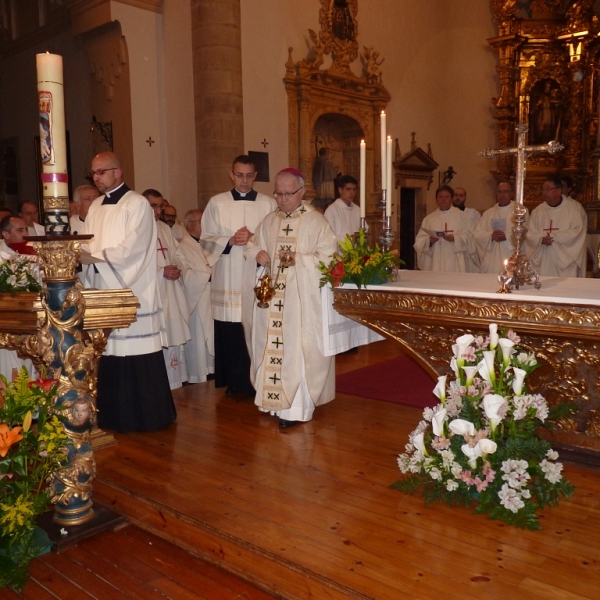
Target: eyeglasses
{"type": "Point", "coordinates": [244, 175]}
{"type": "Point", "coordinates": [159, 206]}
{"type": "Point", "coordinates": [101, 172]}
{"type": "Point", "coordinates": [287, 195]}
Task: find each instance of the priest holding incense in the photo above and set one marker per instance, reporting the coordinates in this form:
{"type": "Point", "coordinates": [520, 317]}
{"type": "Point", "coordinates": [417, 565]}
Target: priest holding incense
{"type": "Point", "coordinates": [228, 222]}
{"type": "Point", "coordinates": [133, 387]}
{"type": "Point", "coordinates": [289, 371]}
{"type": "Point", "coordinates": [556, 244]}
{"type": "Point", "coordinates": [445, 241]}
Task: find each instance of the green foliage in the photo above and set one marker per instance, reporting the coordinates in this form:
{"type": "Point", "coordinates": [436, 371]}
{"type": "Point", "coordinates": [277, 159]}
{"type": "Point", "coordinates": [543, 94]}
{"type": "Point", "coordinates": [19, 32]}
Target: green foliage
{"type": "Point", "coordinates": [357, 263]}
{"type": "Point", "coordinates": [20, 273]}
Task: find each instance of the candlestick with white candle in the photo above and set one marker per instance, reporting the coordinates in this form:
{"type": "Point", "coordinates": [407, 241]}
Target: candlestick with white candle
{"type": "Point", "coordinates": [53, 145]}
{"type": "Point", "coordinates": [383, 151]}
{"type": "Point", "coordinates": [363, 179]}
{"type": "Point", "coordinates": [389, 174]}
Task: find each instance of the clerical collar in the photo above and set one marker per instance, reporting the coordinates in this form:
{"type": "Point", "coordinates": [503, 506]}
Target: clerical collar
{"type": "Point", "coordinates": [115, 195]}
{"type": "Point", "coordinates": [461, 207]}
{"type": "Point", "coordinates": [251, 195]}
{"type": "Point", "coordinates": [197, 239]}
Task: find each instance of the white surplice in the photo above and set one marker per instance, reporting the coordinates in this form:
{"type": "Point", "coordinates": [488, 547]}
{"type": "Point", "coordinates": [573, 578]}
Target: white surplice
{"type": "Point", "coordinates": [222, 217]}
{"type": "Point", "coordinates": [567, 224]}
{"type": "Point", "coordinates": [76, 224]}
{"type": "Point", "coordinates": [444, 255]}
{"type": "Point", "coordinates": [200, 350]}
{"type": "Point", "coordinates": [493, 254]}
{"type": "Point", "coordinates": [125, 244]}
{"type": "Point", "coordinates": [344, 219]}
{"type": "Point", "coordinates": [306, 375]}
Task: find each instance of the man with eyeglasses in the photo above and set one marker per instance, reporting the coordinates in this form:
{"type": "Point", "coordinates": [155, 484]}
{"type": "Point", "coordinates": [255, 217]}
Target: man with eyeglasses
{"type": "Point", "coordinates": [200, 350]}
{"type": "Point", "coordinates": [30, 213]}
{"type": "Point", "coordinates": [290, 372]}
{"type": "Point", "coordinates": [228, 222]}
{"type": "Point", "coordinates": [493, 233]}
{"type": "Point", "coordinates": [556, 243]}
{"type": "Point", "coordinates": [133, 387]}
{"type": "Point", "coordinates": [169, 216]}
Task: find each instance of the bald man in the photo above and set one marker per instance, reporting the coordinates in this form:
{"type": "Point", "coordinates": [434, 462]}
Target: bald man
{"type": "Point", "coordinates": [133, 387]}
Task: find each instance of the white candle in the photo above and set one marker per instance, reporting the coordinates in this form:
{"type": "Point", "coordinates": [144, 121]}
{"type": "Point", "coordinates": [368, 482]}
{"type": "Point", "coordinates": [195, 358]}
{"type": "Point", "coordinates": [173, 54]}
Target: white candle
{"type": "Point", "coordinates": [389, 173]}
{"type": "Point", "coordinates": [383, 151]}
{"type": "Point", "coordinates": [363, 177]}
{"type": "Point", "coordinates": [53, 146]}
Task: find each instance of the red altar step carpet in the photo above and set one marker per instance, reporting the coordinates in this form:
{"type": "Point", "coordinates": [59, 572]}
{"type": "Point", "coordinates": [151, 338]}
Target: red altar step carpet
{"type": "Point", "coordinates": [400, 380]}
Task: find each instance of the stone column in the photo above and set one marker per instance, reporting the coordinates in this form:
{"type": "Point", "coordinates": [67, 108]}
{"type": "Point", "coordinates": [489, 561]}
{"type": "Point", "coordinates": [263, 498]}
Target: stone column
{"type": "Point", "coordinates": [217, 59]}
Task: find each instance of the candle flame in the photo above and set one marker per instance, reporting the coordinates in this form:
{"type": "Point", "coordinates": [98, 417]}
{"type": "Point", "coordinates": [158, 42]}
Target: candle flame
{"type": "Point", "coordinates": [362, 141]}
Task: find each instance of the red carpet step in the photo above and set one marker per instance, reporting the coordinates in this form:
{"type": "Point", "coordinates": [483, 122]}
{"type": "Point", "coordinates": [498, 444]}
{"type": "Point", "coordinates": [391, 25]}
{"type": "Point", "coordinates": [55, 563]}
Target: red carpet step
{"type": "Point", "coordinates": [399, 380]}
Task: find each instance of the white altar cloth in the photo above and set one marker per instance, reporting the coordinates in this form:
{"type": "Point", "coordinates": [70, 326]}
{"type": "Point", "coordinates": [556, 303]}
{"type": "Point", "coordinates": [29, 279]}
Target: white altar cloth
{"type": "Point", "coordinates": [559, 290]}
{"type": "Point", "coordinates": [340, 333]}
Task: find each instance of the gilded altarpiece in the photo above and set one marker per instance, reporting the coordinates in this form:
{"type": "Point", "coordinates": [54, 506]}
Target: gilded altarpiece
{"type": "Point", "coordinates": [549, 67]}
{"type": "Point", "coordinates": [315, 92]}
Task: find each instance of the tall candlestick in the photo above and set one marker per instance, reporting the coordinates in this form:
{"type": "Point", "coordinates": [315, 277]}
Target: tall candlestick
{"type": "Point", "coordinates": [389, 173]}
{"type": "Point", "coordinates": [363, 179]}
{"type": "Point", "coordinates": [53, 146]}
{"type": "Point", "coordinates": [383, 151]}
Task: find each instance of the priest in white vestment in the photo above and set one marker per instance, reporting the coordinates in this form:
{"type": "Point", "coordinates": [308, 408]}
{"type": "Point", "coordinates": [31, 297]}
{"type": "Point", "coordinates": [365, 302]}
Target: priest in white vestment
{"type": "Point", "coordinates": [30, 213]}
{"type": "Point", "coordinates": [493, 233]}
{"type": "Point", "coordinates": [343, 215]}
{"type": "Point", "coordinates": [200, 350]}
{"type": "Point", "coordinates": [170, 218]}
{"type": "Point", "coordinates": [445, 240]}
{"type": "Point", "coordinates": [290, 372]}
{"type": "Point", "coordinates": [556, 242]}
{"type": "Point", "coordinates": [171, 266]}
{"type": "Point", "coordinates": [459, 200]}
{"type": "Point", "coordinates": [83, 196]}
{"type": "Point", "coordinates": [133, 387]}
{"type": "Point", "coordinates": [228, 222]}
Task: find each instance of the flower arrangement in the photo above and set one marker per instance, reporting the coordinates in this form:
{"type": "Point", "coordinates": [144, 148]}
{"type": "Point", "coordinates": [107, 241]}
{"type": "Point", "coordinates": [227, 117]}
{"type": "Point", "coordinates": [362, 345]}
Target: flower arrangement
{"type": "Point", "coordinates": [20, 273]}
{"type": "Point", "coordinates": [482, 440]}
{"type": "Point", "coordinates": [32, 448]}
{"type": "Point", "coordinates": [357, 263]}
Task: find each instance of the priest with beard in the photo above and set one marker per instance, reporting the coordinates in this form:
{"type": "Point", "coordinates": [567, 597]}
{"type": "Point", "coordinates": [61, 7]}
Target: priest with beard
{"type": "Point", "coordinates": [289, 370]}
{"type": "Point", "coordinates": [133, 387]}
{"type": "Point", "coordinates": [200, 350]}
{"type": "Point", "coordinates": [445, 241]}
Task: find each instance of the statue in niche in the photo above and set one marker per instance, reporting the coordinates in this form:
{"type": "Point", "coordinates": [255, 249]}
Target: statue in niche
{"type": "Point", "coordinates": [372, 71]}
{"type": "Point", "coordinates": [545, 113]}
{"type": "Point", "coordinates": [324, 175]}
{"type": "Point", "coordinates": [319, 50]}
{"type": "Point", "coordinates": [342, 23]}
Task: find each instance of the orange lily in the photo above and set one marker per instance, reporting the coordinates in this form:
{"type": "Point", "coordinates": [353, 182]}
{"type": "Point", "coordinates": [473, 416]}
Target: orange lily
{"type": "Point", "coordinates": [43, 383]}
{"type": "Point", "coordinates": [8, 437]}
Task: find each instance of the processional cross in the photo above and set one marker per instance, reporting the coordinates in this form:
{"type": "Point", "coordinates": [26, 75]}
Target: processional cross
{"type": "Point", "coordinates": [519, 270]}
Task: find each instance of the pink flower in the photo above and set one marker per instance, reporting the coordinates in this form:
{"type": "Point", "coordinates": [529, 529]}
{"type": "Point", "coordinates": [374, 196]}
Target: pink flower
{"type": "Point", "coordinates": [513, 337]}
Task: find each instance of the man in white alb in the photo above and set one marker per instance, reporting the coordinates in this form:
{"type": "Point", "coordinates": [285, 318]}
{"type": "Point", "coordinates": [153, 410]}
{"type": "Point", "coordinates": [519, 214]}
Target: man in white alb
{"type": "Point", "coordinates": [445, 240]}
{"type": "Point", "coordinates": [200, 350]}
{"type": "Point", "coordinates": [343, 215]}
{"type": "Point", "coordinates": [556, 243]}
{"type": "Point", "coordinates": [459, 200]}
{"type": "Point", "coordinates": [289, 370]}
{"type": "Point", "coordinates": [30, 213]}
{"type": "Point", "coordinates": [228, 222]}
{"type": "Point", "coordinates": [83, 196]}
{"type": "Point", "coordinates": [493, 233]}
{"type": "Point", "coordinates": [171, 266]}
{"type": "Point", "coordinates": [133, 387]}
{"type": "Point", "coordinates": [170, 218]}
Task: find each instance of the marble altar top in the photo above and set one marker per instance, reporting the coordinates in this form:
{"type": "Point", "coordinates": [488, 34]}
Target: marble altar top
{"type": "Point", "coordinates": [559, 290]}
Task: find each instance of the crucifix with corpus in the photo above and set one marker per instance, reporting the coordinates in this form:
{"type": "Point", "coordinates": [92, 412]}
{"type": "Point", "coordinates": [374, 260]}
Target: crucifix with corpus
{"type": "Point", "coordinates": [518, 267]}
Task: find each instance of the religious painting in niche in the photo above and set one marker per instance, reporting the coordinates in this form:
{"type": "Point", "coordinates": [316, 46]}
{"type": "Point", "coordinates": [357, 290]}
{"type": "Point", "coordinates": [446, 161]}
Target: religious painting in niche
{"type": "Point", "coordinates": [9, 173]}
{"type": "Point", "coordinates": [342, 23]}
{"type": "Point", "coordinates": [545, 112]}
{"type": "Point", "coordinates": [46, 145]}
{"type": "Point", "coordinates": [261, 162]}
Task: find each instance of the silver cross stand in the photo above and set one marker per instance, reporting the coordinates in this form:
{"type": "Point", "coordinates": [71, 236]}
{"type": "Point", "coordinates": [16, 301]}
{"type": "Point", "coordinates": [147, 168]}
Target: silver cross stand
{"type": "Point", "coordinates": [518, 268]}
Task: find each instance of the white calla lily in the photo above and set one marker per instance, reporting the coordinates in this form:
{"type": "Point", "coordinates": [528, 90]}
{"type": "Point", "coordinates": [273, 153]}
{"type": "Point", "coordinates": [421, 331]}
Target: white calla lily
{"type": "Point", "coordinates": [517, 384]}
{"type": "Point", "coordinates": [494, 337]}
{"type": "Point", "coordinates": [454, 367]}
{"type": "Point", "coordinates": [437, 422]}
{"type": "Point", "coordinates": [491, 405]}
{"type": "Point", "coordinates": [462, 343]}
{"type": "Point", "coordinates": [484, 371]}
{"type": "Point", "coordinates": [507, 346]}
{"type": "Point", "coordinates": [489, 357]}
{"type": "Point", "coordinates": [419, 443]}
{"type": "Point", "coordinates": [472, 454]}
{"type": "Point", "coordinates": [461, 427]}
{"type": "Point", "coordinates": [487, 446]}
{"type": "Point", "coordinates": [470, 373]}
{"type": "Point", "coordinates": [440, 389]}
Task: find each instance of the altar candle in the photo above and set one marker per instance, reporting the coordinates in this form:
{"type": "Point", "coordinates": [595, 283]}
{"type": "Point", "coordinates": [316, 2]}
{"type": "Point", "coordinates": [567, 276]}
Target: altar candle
{"type": "Point", "coordinates": [53, 146]}
{"type": "Point", "coordinates": [389, 172]}
{"type": "Point", "coordinates": [383, 151]}
{"type": "Point", "coordinates": [363, 179]}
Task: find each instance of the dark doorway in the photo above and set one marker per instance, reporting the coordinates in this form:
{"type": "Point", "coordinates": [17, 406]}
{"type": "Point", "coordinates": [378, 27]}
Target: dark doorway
{"type": "Point", "coordinates": [407, 226]}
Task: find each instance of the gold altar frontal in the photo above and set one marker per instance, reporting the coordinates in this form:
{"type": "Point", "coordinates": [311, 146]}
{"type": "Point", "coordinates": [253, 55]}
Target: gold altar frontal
{"type": "Point", "coordinates": [560, 323]}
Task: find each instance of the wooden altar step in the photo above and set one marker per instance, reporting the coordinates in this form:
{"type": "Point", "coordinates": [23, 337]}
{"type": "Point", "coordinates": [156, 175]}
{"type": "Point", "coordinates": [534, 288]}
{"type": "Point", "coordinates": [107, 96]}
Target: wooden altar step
{"type": "Point", "coordinates": [309, 513]}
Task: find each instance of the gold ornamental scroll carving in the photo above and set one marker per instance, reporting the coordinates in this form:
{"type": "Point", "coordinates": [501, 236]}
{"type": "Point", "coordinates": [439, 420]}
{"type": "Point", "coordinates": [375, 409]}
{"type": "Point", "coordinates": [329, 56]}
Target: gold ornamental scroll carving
{"type": "Point", "coordinates": [565, 339]}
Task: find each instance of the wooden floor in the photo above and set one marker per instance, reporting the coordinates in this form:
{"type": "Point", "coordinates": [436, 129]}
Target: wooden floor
{"type": "Point", "coordinates": [309, 514]}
